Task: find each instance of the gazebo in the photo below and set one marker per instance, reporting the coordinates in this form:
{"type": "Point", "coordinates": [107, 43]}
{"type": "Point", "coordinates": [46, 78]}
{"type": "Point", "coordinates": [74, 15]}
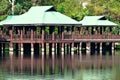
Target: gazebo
{"type": "Point", "coordinates": [38, 26]}
{"type": "Point", "coordinates": [96, 30]}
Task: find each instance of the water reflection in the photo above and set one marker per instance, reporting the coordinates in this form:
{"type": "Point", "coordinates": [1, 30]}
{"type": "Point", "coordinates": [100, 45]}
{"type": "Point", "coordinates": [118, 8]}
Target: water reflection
{"type": "Point", "coordinates": [66, 67]}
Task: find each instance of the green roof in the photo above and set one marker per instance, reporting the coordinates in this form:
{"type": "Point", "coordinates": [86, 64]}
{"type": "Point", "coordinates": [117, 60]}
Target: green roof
{"type": "Point", "coordinates": [41, 15]}
{"type": "Point", "coordinates": [7, 19]}
{"type": "Point", "coordinates": [96, 21]}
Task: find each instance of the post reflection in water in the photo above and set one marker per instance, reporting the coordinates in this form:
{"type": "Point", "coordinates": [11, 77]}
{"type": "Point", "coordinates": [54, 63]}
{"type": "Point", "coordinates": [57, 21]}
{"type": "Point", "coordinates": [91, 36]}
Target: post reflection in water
{"type": "Point", "coordinates": [42, 64]}
{"type": "Point", "coordinates": [66, 67]}
{"type": "Point", "coordinates": [21, 61]}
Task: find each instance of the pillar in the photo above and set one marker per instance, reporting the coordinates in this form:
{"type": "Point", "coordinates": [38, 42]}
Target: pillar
{"type": "Point", "coordinates": [31, 33]}
{"type": "Point", "coordinates": [53, 44]}
{"type": "Point", "coordinates": [11, 44]}
{"type": "Point", "coordinates": [43, 32]}
{"type": "Point", "coordinates": [21, 35]}
{"type": "Point", "coordinates": [21, 48]}
{"type": "Point", "coordinates": [11, 48]}
{"type": "Point", "coordinates": [113, 47]}
{"type": "Point", "coordinates": [62, 49]}
{"type": "Point", "coordinates": [53, 48]}
{"type": "Point", "coordinates": [42, 48]}
{"type": "Point", "coordinates": [2, 48]}
{"type": "Point", "coordinates": [88, 48]}
{"type": "Point", "coordinates": [72, 49]}
{"type": "Point", "coordinates": [32, 48]}
{"type": "Point", "coordinates": [100, 48]}
{"type": "Point", "coordinates": [80, 48]}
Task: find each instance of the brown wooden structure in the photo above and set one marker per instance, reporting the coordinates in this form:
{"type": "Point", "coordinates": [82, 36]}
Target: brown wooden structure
{"type": "Point", "coordinates": [59, 33]}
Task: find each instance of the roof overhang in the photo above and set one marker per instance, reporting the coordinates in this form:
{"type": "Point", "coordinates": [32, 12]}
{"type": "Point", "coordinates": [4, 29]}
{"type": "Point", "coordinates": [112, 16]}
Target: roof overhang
{"type": "Point", "coordinates": [46, 24]}
{"type": "Point", "coordinates": [99, 25]}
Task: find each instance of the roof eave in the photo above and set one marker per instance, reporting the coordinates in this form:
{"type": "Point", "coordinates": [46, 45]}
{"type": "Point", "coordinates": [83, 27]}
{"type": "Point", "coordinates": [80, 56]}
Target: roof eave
{"type": "Point", "coordinates": [100, 25]}
{"type": "Point", "coordinates": [47, 24]}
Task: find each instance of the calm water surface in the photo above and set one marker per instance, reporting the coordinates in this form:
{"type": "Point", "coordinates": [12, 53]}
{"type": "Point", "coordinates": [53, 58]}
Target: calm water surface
{"type": "Point", "coordinates": [65, 67]}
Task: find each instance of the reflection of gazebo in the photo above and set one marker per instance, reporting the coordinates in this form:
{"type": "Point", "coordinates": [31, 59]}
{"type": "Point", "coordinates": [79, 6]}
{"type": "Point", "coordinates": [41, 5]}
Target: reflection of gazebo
{"type": "Point", "coordinates": [30, 27]}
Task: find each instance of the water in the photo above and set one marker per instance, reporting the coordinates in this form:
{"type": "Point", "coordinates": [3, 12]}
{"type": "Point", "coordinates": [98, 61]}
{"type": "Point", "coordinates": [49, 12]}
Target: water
{"type": "Point", "coordinates": [65, 67]}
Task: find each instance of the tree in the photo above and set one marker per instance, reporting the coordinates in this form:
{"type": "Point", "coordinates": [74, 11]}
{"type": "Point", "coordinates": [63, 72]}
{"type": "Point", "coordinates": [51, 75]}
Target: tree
{"type": "Point", "coordinates": [12, 2]}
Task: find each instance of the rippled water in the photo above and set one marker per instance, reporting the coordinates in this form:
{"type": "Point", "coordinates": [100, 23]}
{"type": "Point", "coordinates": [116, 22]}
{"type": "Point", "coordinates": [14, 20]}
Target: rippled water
{"type": "Point", "coordinates": [65, 67]}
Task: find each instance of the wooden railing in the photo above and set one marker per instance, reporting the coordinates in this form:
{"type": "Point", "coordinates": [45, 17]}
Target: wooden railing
{"type": "Point", "coordinates": [4, 36]}
{"type": "Point", "coordinates": [27, 36]}
{"type": "Point", "coordinates": [67, 36]}
{"type": "Point", "coordinates": [48, 37]}
{"type": "Point", "coordinates": [37, 37]}
{"type": "Point", "coordinates": [16, 36]}
{"type": "Point", "coordinates": [57, 37]}
{"type": "Point", "coordinates": [97, 36]}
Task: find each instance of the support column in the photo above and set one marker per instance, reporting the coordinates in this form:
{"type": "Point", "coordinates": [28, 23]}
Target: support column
{"type": "Point", "coordinates": [62, 30]}
{"type": "Point", "coordinates": [43, 32]}
{"type": "Point", "coordinates": [31, 33]}
{"type": "Point", "coordinates": [2, 48]}
{"type": "Point", "coordinates": [53, 44]}
{"type": "Point", "coordinates": [53, 48]}
{"type": "Point", "coordinates": [88, 48]}
{"type": "Point", "coordinates": [62, 49]}
{"type": "Point", "coordinates": [21, 48]}
{"type": "Point", "coordinates": [43, 48]}
{"type": "Point", "coordinates": [100, 48]}
{"type": "Point", "coordinates": [113, 48]}
{"type": "Point", "coordinates": [32, 48]}
{"type": "Point", "coordinates": [11, 44]}
{"type": "Point", "coordinates": [80, 48]}
{"type": "Point", "coordinates": [72, 49]}
{"type": "Point", "coordinates": [11, 48]}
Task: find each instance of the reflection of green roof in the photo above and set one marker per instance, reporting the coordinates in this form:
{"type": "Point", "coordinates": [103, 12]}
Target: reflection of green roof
{"type": "Point", "coordinates": [41, 15]}
{"type": "Point", "coordinates": [96, 21]}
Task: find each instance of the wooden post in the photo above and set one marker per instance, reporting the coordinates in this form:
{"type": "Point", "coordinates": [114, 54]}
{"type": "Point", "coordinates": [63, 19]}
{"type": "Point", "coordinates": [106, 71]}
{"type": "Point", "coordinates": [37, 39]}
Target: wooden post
{"type": "Point", "coordinates": [88, 48]}
{"type": "Point", "coordinates": [62, 30]}
{"type": "Point", "coordinates": [31, 33]}
{"type": "Point", "coordinates": [22, 49]}
{"type": "Point", "coordinates": [113, 47]}
{"type": "Point", "coordinates": [32, 48]}
{"type": "Point", "coordinates": [11, 44]}
{"type": "Point", "coordinates": [21, 35]}
{"type": "Point", "coordinates": [100, 48]}
{"type": "Point", "coordinates": [62, 49]}
{"type": "Point", "coordinates": [80, 47]}
{"type": "Point", "coordinates": [2, 48]}
{"type": "Point", "coordinates": [43, 34]}
{"type": "Point", "coordinates": [72, 49]}
{"type": "Point", "coordinates": [11, 48]}
{"type": "Point", "coordinates": [53, 45]}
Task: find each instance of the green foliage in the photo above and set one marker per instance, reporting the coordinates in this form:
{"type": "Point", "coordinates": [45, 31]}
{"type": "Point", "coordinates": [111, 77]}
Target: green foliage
{"type": "Point", "coordinates": [71, 8]}
{"type": "Point", "coordinates": [47, 30]}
